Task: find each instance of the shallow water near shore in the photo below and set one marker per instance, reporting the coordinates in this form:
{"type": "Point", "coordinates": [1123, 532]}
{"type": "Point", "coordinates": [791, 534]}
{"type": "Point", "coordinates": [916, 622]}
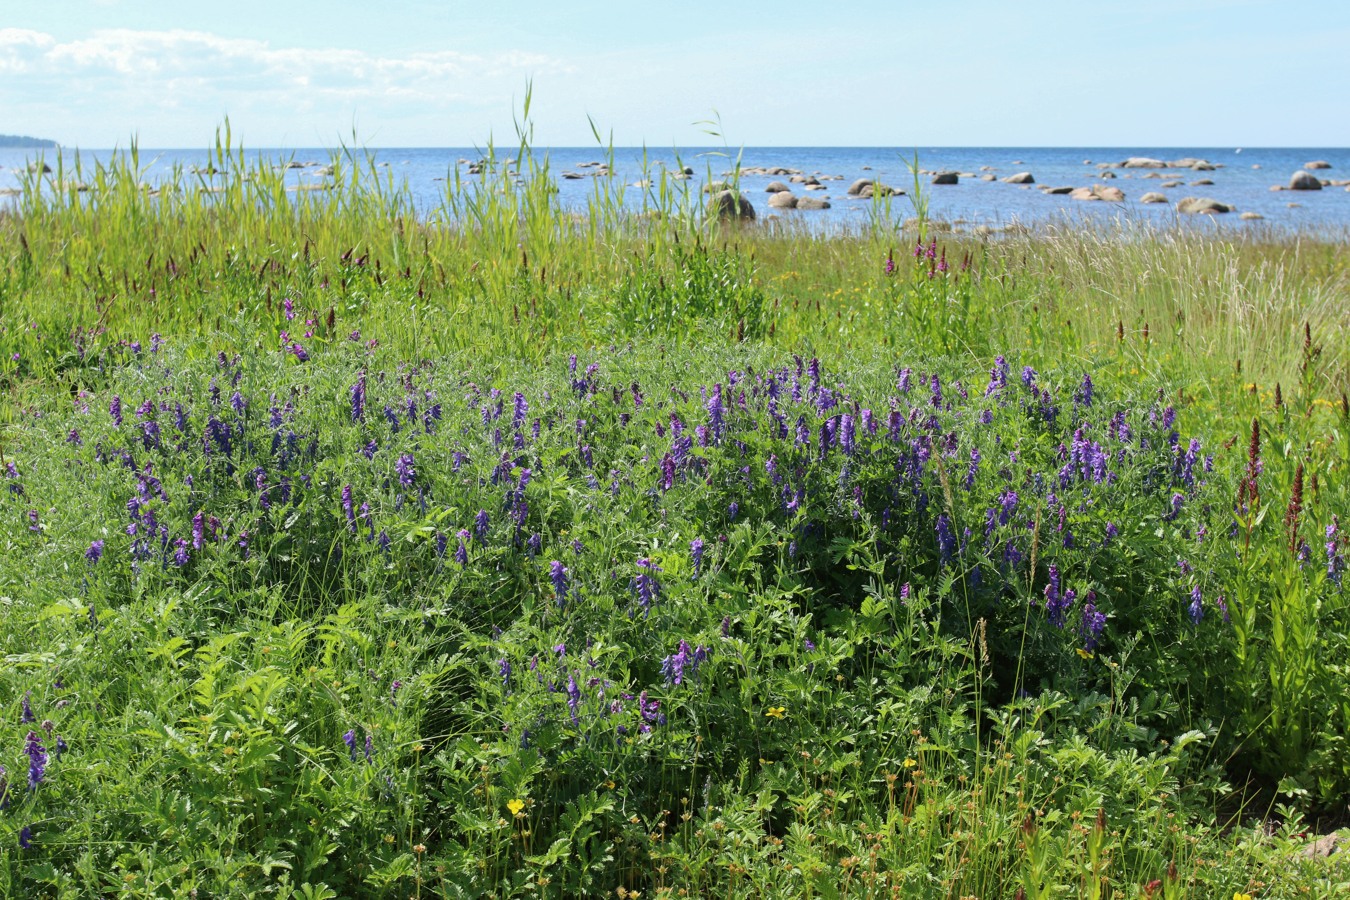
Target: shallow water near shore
{"type": "Point", "coordinates": [1242, 178]}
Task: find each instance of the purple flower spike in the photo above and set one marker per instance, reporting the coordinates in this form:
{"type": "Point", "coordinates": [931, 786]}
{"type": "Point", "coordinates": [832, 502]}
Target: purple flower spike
{"type": "Point", "coordinates": [404, 468]}
{"type": "Point", "coordinates": [696, 551]}
{"type": "Point", "coordinates": [1196, 610]}
{"type": "Point", "coordinates": [37, 760]}
{"type": "Point", "coordinates": [645, 584]}
{"type": "Point", "coordinates": [95, 552]}
{"type": "Point", "coordinates": [557, 573]}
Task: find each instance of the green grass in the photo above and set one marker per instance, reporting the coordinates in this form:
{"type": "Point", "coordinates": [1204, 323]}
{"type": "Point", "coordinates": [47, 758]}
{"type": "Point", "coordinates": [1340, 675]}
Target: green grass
{"type": "Point", "coordinates": [880, 715]}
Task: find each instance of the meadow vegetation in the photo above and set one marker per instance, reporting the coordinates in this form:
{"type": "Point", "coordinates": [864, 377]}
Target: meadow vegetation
{"type": "Point", "coordinates": [355, 549]}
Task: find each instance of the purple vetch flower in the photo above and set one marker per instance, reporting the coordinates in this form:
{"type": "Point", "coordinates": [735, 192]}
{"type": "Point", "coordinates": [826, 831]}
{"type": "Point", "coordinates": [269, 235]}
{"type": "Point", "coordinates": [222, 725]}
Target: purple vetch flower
{"type": "Point", "coordinates": [299, 352]}
{"type": "Point", "coordinates": [733, 510]}
{"type": "Point", "coordinates": [650, 711]}
{"type": "Point", "coordinates": [115, 410]}
{"type": "Point", "coordinates": [74, 438]}
{"type": "Point", "coordinates": [238, 402]}
{"type": "Point", "coordinates": [1092, 623]}
{"type": "Point", "coordinates": [1223, 607]}
{"type": "Point", "coordinates": [905, 591]}
{"type": "Point", "coordinates": [1057, 601]}
{"type": "Point", "coordinates": [441, 543]}
{"type": "Point", "coordinates": [696, 552]}
{"type": "Point", "coordinates": [520, 410]}
{"type": "Point", "coordinates": [846, 434]}
{"type": "Point", "coordinates": [462, 552]}
{"type": "Point", "coordinates": [198, 531]}
{"type": "Point", "coordinates": [37, 760]}
{"type": "Point", "coordinates": [573, 698]}
{"type": "Point", "coordinates": [26, 837]}
{"type": "Point", "coordinates": [1028, 376]}
{"type": "Point", "coordinates": [646, 585]}
{"type": "Point", "coordinates": [480, 525]}
{"type": "Point", "coordinates": [370, 746]}
{"type": "Point", "coordinates": [33, 523]}
{"type": "Point", "coordinates": [557, 573]}
{"type": "Point", "coordinates": [1196, 609]}
{"type": "Point", "coordinates": [946, 539]}
{"type": "Point", "coordinates": [27, 716]}
{"type": "Point", "coordinates": [358, 398]}
{"type": "Point", "coordinates": [403, 467]}
{"type": "Point", "coordinates": [973, 469]}
{"type": "Point", "coordinates": [384, 541]}
{"type": "Point", "coordinates": [95, 552]}
{"type": "Point", "coordinates": [504, 670]}
{"type": "Point", "coordinates": [180, 553]}
{"type": "Point", "coordinates": [1083, 396]}
{"type": "Point", "coordinates": [673, 667]}
{"type": "Point", "coordinates": [998, 376]}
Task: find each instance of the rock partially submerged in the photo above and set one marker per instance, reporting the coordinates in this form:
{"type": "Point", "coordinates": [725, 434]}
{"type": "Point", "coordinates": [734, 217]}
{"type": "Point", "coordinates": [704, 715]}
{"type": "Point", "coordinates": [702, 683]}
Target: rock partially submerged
{"type": "Point", "coordinates": [1202, 206]}
{"type": "Point", "coordinates": [1020, 178]}
{"type": "Point", "coordinates": [1153, 197]}
{"type": "Point", "coordinates": [1098, 192]}
{"type": "Point", "coordinates": [1317, 164]}
{"type": "Point", "coordinates": [782, 200]}
{"type": "Point", "coordinates": [946, 178]}
{"type": "Point", "coordinates": [1304, 181]}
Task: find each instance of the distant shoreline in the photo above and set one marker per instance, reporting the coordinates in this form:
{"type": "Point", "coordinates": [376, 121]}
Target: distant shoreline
{"type": "Point", "coordinates": [24, 142]}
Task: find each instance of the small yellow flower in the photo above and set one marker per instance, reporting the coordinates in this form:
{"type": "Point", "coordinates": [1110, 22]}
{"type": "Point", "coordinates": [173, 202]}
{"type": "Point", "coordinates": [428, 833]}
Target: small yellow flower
{"type": "Point", "coordinates": [775, 712]}
{"type": "Point", "coordinates": [515, 806]}
{"type": "Point", "coordinates": [1238, 895]}
{"type": "Point", "coordinates": [911, 763]}
{"type": "Point", "coordinates": [1085, 654]}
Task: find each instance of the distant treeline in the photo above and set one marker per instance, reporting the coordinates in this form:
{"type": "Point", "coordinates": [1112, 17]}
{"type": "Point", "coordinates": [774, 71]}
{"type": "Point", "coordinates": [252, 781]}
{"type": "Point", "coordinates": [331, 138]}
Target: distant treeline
{"type": "Point", "coordinates": [19, 140]}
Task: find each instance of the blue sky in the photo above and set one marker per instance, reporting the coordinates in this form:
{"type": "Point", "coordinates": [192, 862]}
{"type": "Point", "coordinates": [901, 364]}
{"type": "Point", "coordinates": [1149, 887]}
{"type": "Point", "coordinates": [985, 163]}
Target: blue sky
{"type": "Point", "coordinates": [963, 73]}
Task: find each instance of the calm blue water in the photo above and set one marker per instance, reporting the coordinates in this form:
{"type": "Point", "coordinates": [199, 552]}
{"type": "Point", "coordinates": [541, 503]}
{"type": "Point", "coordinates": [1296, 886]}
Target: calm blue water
{"type": "Point", "coordinates": [1243, 179]}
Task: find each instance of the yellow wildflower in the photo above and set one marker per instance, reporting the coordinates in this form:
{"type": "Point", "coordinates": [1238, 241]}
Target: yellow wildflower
{"type": "Point", "coordinates": [775, 712]}
{"type": "Point", "coordinates": [515, 806]}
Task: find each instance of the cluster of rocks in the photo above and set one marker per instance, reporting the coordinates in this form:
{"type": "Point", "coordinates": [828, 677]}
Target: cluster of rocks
{"type": "Point", "coordinates": [1146, 162]}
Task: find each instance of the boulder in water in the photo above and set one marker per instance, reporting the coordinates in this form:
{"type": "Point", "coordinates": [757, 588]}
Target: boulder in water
{"type": "Point", "coordinates": [1304, 181]}
{"type": "Point", "coordinates": [1202, 206]}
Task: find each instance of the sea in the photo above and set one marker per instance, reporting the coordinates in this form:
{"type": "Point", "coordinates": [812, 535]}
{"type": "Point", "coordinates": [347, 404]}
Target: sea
{"type": "Point", "coordinates": [1241, 177]}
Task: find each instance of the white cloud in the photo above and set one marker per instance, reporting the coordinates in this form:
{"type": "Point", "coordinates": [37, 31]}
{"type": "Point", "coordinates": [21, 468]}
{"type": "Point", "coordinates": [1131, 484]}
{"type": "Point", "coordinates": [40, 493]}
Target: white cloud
{"type": "Point", "coordinates": [128, 76]}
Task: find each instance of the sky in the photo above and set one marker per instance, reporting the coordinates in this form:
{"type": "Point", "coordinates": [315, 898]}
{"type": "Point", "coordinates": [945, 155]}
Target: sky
{"type": "Point", "coordinates": [1080, 73]}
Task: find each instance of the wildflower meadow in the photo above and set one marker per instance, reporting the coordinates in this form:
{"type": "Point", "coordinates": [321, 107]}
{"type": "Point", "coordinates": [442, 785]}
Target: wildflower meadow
{"type": "Point", "coordinates": [528, 552]}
